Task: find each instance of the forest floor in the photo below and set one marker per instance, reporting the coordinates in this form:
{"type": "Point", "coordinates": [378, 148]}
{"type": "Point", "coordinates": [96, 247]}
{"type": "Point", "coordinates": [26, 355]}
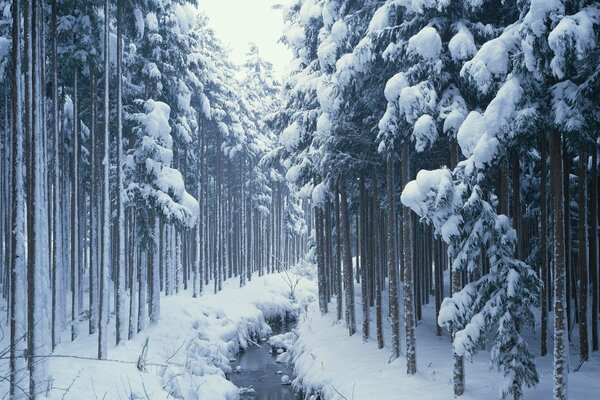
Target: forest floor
{"type": "Point", "coordinates": [327, 360]}
{"type": "Point", "coordinates": [188, 351]}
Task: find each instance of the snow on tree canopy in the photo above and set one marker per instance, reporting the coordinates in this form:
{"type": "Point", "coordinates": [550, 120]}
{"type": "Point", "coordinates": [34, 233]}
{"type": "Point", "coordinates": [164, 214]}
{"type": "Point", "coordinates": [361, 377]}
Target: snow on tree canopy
{"type": "Point", "coordinates": [381, 17]}
{"type": "Point", "coordinates": [157, 182]}
{"type": "Point", "coordinates": [424, 132]}
{"type": "Point", "coordinates": [394, 86]}
{"type": "Point", "coordinates": [291, 136]}
{"type": "Point", "coordinates": [479, 135]}
{"type": "Point", "coordinates": [462, 45]}
{"type": "Point", "coordinates": [452, 110]}
{"type": "Point", "coordinates": [539, 12]}
{"type": "Point", "coordinates": [490, 61]}
{"type": "Point", "coordinates": [426, 43]}
{"type": "Point", "coordinates": [427, 184]}
{"type": "Point", "coordinates": [139, 22]}
{"type": "Point", "coordinates": [574, 34]}
{"type": "Point", "coordinates": [417, 100]}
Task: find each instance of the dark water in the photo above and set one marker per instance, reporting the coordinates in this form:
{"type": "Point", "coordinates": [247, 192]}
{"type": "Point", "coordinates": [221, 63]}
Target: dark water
{"type": "Point", "coordinates": [260, 372]}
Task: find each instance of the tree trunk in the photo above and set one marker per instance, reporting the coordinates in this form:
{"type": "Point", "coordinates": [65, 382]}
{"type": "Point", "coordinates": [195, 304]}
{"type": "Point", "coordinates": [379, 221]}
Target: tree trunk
{"type": "Point", "coordinates": [338, 256]}
{"type": "Point", "coordinates": [409, 297]}
{"type": "Point", "coordinates": [364, 289]}
{"type": "Point", "coordinates": [594, 244]}
{"type": "Point", "coordinates": [458, 376]}
{"type": "Point", "coordinates": [18, 270]}
{"type": "Point", "coordinates": [121, 328]}
{"type": "Point", "coordinates": [391, 257]}
{"type": "Point", "coordinates": [74, 215]}
{"type": "Point", "coordinates": [322, 279]}
{"type": "Point", "coordinates": [582, 258]}
{"type": "Point", "coordinates": [105, 265]}
{"type": "Point", "coordinates": [560, 328]}
{"type": "Point", "coordinates": [347, 257]}
{"type": "Point", "coordinates": [544, 265]}
{"type": "Point", "coordinates": [378, 265]}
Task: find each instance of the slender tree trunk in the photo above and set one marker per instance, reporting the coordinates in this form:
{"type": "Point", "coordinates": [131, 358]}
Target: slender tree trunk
{"type": "Point", "coordinates": [409, 297]}
{"type": "Point", "coordinates": [338, 255]}
{"type": "Point", "coordinates": [582, 258]}
{"type": "Point", "coordinates": [347, 257]}
{"type": "Point", "coordinates": [18, 272]}
{"type": "Point", "coordinates": [364, 289]}
{"type": "Point", "coordinates": [133, 282]}
{"type": "Point", "coordinates": [593, 245]}
{"type": "Point", "coordinates": [561, 340]}
{"type": "Point", "coordinates": [566, 170]}
{"type": "Point", "coordinates": [38, 271]}
{"type": "Point", "coordinates": [74, 214]}
{"type": "Point", "coordinates": [93, 272]}
{"type": "Point", "coordinates": [322, 279]}
{"type": "Point", "coordinates": [544, 265]}
{"type": "Point", "coordinates": [105, 265]}
{"type": "Point", "coordinates": [439, 283]}
{"type": "Point", "coordinates": [378, 263]}
{"type": "Point", "coordinates": [391, 257]}
{"type": "Point", "coordinates": [458, 376]}
{"type": "Point", "coordinates": [154, 272]}
{"type": "Point", "coordinates": [121, 328]}
{"type": "Point", "coordinates": [57, 232]}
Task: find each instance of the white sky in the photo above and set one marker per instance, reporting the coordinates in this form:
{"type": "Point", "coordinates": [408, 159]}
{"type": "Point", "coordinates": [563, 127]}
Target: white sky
{"type": "Point", "coordinates": [239, 22]}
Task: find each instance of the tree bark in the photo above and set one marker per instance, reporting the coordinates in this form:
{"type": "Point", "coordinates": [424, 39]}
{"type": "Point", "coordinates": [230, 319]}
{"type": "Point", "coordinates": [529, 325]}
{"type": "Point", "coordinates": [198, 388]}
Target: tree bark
{"type": "Point", "coordinates": [105, 265]}
{"type": "Point", "coordinates": [391, 257]}
{"type": "Point", "coordinates": [347, 257]}
{"type": "Point", "coordinates": [364, 282]}
{"type": "Point", "coordinates": [121, 328]}
{"type": "Point", "coordinates": [560, 328]}
{"type": "Point", "coordinates": [544, 265]}
{"type": "Point", "coordinates": [409, 297]}
{"type": "Point", "coordinates": [582, 259]}
{"type": "Point", "coordinates": [593, 245]}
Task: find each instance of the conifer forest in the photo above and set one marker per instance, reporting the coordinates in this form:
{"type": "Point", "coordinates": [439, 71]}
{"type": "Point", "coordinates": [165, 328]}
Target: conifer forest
{"type": "Point", "coordinates": [390, 200]}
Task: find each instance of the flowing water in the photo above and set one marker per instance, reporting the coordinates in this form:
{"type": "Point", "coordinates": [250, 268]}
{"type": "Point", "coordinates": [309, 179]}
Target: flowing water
{"type": "Point", "coordinates": [260, 372]}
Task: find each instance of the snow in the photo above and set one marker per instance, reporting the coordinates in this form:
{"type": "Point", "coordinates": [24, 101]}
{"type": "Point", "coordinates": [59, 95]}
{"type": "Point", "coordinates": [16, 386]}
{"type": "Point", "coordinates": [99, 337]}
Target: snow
{"type": "Point", "coordinates": [470, 132]}
{"type": "Point", "coordinates": [310, 9]}
{"type": "Point", "coordinates": [284, 341]}
{"type": "Point", "coordinates": [491, 60]}
{"type": "Point", "coordinates": [5, 46]}
{"type": "Point", "coordinates": [356, 369]}
{"type": "Point", "coordinates": [479, 135]}
{"type": "Point", "coordinates": [156, 123]}
{"type": "Point", "coordinates": [574, 32]}
{"type": "Point", "coordinates": [339, 31]}
{"type": "Point", "coordinates": [462, 45]}
{"type": "Point", "coordinates": [539, 12]}
{"type": "Point", "coordinates": [188, 350]}
{"type": "Point", "coordinates": [319, 194]}
{"type": "Point", "coordinates": [417, 100]}
{"type": "Point", "coordinates": [381, 17]}
{"type": "Point", "coordinates": [424, 132]}
{"type": "Point", "coordinates": [291, 136]}
{"type": "Point", "coordinates": [151, 22]}
{"type": "Point", "coordinates": [426, 184]}
{"type": "Point", "coordinates": [394, 86]}
{"type": "Point", "coordinates": [139, 22]}
{"type": "Point", "coordinates": [426, 43]}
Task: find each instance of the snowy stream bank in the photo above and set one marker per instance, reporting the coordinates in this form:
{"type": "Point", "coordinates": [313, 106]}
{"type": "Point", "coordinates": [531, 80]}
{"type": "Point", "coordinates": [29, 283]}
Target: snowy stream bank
{"type": "Point", "coordinates": [188, 353]}
{"type": "Point", "coordinates": [264, 369]}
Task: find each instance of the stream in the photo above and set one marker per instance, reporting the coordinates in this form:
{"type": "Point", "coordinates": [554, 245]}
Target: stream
{"type": "Point", "coordinates": [259, 370]}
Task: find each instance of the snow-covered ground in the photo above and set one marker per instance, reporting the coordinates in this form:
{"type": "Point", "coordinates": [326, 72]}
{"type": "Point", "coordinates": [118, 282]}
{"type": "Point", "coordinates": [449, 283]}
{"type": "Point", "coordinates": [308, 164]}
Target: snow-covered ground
{"type": "Point", "coordinates": [341, 367]}
{"type": "Point", "coordinates": [188, 351]}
